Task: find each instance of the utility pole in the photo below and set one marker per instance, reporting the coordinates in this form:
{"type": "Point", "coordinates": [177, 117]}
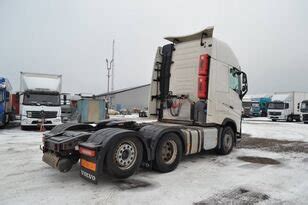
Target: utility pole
{"type": "Point", "coordinates": [112, 69]}
{"type": "Point", "coordinates": [108, 66]}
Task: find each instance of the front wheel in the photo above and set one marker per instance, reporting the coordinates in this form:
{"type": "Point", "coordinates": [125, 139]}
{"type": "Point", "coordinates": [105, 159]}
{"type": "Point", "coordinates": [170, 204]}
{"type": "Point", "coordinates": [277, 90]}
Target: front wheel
{"type": "Point", "coordinates": [289, 118]}
{"type": "Point", "coordinates": [226, 141]}
{"type": "Point", "coordinates": [168, 153]}
{"type": "Point", "coordinates": [124, 157]}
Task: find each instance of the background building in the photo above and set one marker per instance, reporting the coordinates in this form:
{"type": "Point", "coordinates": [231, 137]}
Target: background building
{"type": "Point", "coordinates": [129, 98]}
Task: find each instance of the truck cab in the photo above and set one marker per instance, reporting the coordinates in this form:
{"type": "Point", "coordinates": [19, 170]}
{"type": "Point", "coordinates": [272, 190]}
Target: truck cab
{"type": "Point", "coordinates": [280, 107]}
{"type": "Point", "coordinates": [5, 101]}
{"type": "Point", "coordinates": [40, 105]}
{"type": "Point", "coordinates": [246, 112]}
{"type": "Point", "coordinates": [39, 99]}
{"type": "Point", "coordinates": [202, 82]}
{"type": "Point", "coordinates": [304, 111]}
{"type": "Point", "coordinates": [255, 109]}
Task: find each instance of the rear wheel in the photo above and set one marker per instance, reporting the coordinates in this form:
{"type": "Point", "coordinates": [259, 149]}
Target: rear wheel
{"type": "Point", "coordinates": [227, 141]}
{"type": "Point", "coordinates": [289, 118]}
{"type": "Point", "coordinates": [124, 157]}
{"type": "Point", "coordinates": [168, 153]}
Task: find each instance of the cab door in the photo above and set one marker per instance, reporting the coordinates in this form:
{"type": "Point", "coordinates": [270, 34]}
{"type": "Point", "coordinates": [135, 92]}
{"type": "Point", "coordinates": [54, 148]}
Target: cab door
{"type": "Point", "coordinates": [235, 104]}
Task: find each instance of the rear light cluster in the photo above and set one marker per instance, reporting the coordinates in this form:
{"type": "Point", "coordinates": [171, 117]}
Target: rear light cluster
{"type": "Point", "coordinates": [89, 165]}
{"type": "Point", "coordinates": [203, 74]}
{"type": "Point", "coordinates": [87, 152]}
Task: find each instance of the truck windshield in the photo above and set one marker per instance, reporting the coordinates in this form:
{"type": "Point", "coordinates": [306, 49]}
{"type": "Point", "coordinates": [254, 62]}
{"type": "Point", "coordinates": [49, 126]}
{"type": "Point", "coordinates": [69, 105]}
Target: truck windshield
{"type": "Point", "coordinates": [276, 105]}
{"type": "Point", "coordinates": [304, 106]}
{"type": "Point", "coordinates": [41, 99]}
{"type": "Point", "coordinates": [1, 96]}
{"type": "Point", "coordinates": [246, 104]}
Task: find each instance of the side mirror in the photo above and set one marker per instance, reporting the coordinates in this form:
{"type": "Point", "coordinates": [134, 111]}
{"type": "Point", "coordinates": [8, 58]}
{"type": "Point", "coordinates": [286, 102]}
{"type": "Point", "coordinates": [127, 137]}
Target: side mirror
{"type": "Point", "coordinates": [244, 85]}
{"type": "Point", "coordinates": [244, 78]}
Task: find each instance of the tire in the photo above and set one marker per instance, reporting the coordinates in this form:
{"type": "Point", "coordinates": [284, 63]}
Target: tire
{"type": "Point", "coordinates": [124, 157]}
{"type": "Point", "coordinates": [24, 127]}
{"type": "Point", "coordinates": [289, 118]}
{"type": "Point", "coordinates": [227, 141]}
{"type": "Point", "coordinates": [305, 122]}
{"type": "Point", "coordinates": [274, 120]}
{"type": "Point", "coordinates": [168, 154]}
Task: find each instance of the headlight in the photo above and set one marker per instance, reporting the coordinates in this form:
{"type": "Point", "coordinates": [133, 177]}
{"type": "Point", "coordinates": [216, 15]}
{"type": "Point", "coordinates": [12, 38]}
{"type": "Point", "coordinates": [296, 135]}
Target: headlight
{"type": "Point", "coordinates": [29, 114]}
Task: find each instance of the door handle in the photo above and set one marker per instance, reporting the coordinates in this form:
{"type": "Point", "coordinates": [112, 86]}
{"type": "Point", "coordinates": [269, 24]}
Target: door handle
{"type": "Point", "coordinates": [228, 106]}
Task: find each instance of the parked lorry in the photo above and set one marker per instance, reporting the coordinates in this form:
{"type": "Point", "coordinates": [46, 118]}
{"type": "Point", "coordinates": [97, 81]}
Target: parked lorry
{"type": "Point", "coordinates": [196, 96]}
{"type": "Point", "coordinates": [304, 110]}
{"type": "Point", "coordinates": [286, 106]}
{"type": "Point", "coordinates": [259, 108]}
{"type": "Point", "coordinates": [247, 107]}
{"type": "Point", "coordinates": [40, 99]}
{"type": "Point", "coordinates": [6, 110]}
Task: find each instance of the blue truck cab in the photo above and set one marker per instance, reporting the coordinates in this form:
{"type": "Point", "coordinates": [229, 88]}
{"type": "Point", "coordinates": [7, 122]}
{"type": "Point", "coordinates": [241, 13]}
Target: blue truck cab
{"type": "Point", "coordinates": [259, 106]}
{"type": "Point", "coordinates": [5, 101]}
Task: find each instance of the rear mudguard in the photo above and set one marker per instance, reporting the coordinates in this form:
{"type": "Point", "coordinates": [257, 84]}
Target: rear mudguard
{"type": "Point", "coordinates": [59, 129]}
{"type": "Point", "coordinates": [153, 133]}
{"type": "Point", "coordinates": [104, 138]}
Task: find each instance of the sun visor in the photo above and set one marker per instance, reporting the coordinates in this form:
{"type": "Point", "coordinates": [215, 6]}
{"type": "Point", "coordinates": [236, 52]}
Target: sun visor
{"type": "Point", "coordinates": [207, 33]}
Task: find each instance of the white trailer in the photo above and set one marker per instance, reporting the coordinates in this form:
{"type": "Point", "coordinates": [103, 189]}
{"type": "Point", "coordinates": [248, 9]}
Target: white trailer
{"type": "Point", "coordinates": [40, 99]}
{"type": "Point", "coordinates": [286, 106]}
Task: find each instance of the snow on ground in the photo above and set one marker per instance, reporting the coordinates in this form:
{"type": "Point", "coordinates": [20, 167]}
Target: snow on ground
{"type": "Point", "coordinates": [25, 179]}
{"type": "Point", "coordinates": [265, 128]}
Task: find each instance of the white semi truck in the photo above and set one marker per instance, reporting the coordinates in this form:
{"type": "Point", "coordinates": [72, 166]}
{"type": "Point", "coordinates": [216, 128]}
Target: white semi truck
{"type": "Point", "coordinates": [196, 95]}
{"type": "Point", "coordinates": [286, 106]}
{"type": "Point", "coordinates": [304, 110]}
{"type": "Point", "coordinates": [40, 99]}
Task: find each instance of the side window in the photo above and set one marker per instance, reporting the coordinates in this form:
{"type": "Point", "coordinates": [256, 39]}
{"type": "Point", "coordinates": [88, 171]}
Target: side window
{"type": "Point", "coordinates": [286, 105]}
{"type": "Point", "coordinates": [234, 80]}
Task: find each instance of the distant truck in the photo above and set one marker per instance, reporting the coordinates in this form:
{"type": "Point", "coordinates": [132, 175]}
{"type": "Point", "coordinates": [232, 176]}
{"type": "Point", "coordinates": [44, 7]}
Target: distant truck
{"type": "Point", "coordinates": [260, 110]}
{"type": "Point", "coordinates": [247, 107]}
{"type": "Point", "coordinates": [304, 110]}
{"type": "Point", "coordinates": [286, 106]}
{"type": "Point", "coordinates": [40, 99]}
{"type": "Point", "coordinates": [6, 110]}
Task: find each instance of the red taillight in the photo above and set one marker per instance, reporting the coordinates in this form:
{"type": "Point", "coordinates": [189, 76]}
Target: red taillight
{"type": "Point", "coordinates": [87, 152]}
{"type": "Point", "coordinates": [203, 64]}
{"type": "Point", "coordinates": [203, 76]}
{"type": "Point", "coordinates": [202, 87]}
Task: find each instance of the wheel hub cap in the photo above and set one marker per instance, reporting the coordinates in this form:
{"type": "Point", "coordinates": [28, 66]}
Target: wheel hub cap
{"type": "Point", "coordinates": [125, 155]}
{"type": "Point", "coordinates": [169, 151]}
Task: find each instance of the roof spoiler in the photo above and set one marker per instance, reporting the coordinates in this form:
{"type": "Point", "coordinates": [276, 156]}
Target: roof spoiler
{"type": "Point", "coordinates": [205, 33]}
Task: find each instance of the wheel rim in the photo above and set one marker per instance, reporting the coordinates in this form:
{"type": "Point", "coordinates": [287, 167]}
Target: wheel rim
{"type": "Point", "coordinates": [228, 141]}
{"type": "Point", "coordinates": [169, 151]}
{"type": "Point", "coordinates": [126, 155]}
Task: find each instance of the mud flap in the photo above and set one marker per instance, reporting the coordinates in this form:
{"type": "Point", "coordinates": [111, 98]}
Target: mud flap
{"type": "Point", "coordinates": [89, 175]}
{"type": "Point", "coordinates": [89, 167]}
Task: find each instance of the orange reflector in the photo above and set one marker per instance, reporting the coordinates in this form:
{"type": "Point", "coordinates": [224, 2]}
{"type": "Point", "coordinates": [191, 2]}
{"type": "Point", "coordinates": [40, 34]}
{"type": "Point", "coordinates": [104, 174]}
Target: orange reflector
{"type": "Point", "coordinates": [88, 152]}
{"type": "Point", "coordinates": [88, 165]}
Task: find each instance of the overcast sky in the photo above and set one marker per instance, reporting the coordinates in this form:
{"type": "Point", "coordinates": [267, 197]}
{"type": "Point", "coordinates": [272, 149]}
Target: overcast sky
{"type": "Point", "coordinates": [74, 37]}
